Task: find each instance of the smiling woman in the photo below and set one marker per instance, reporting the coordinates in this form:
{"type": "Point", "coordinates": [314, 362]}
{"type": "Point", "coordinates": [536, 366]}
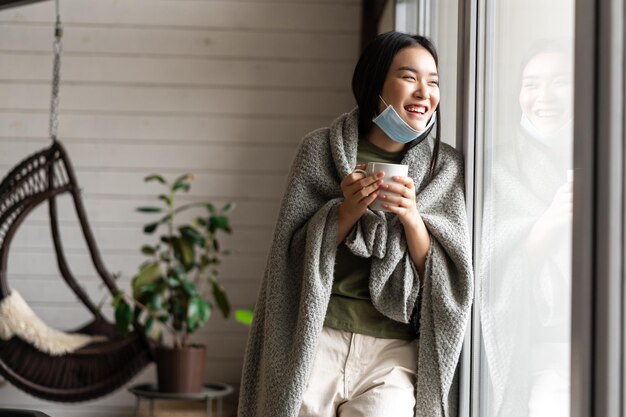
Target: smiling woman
{"type": "Point", "coordinates": [363, 311]}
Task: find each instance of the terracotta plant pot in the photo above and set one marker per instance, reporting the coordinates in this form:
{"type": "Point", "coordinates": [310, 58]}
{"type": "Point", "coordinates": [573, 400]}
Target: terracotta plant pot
{"type": "Point", "coordinates": [181, 370]}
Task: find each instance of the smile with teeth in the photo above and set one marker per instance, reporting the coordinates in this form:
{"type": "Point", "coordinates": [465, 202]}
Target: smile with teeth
{"type": "Point", "coordinates": [547, 113]}
{"type": "Point", "coordinates": [416, 109]}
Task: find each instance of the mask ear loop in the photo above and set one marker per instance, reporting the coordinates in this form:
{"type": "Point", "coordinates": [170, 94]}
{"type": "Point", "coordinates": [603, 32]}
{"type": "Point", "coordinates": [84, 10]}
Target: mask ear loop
{"type": "Point", "coordinates": [384, 102]}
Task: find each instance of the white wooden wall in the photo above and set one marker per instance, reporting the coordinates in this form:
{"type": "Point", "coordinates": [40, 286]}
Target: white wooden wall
{"type": "Point", "coordinates": [224, 89]}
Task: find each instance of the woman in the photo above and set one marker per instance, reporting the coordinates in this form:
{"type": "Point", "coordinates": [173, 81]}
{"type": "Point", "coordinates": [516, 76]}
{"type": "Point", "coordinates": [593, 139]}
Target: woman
{"type": "Point", "coordinates": [363, 312]}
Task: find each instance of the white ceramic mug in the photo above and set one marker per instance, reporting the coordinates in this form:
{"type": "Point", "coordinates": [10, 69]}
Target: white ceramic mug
{"type": "Point", "coordinates": [390, 170]}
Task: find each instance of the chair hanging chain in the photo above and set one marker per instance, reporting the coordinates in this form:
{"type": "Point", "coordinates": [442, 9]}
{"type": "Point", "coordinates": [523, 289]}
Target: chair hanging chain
{"type": "Point", "coordinates": [56, 74]}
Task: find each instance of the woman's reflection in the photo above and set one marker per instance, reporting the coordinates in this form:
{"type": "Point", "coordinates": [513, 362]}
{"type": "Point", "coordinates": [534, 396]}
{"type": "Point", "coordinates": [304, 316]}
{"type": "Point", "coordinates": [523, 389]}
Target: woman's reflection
{"type": "Point", "coordinates": [527, 273]}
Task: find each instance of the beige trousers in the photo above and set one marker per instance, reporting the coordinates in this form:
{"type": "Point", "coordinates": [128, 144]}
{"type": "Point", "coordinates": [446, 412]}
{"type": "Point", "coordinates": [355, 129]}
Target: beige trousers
{"type": "Point", "coordinates": [358, 375]}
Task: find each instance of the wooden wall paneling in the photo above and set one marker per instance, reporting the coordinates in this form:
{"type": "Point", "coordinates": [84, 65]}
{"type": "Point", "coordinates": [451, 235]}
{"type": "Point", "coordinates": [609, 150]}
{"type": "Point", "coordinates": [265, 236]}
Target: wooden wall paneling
{"type": "Point", "coordinates": [223, 89]}
{"type": "Point", "coordinates": [32, 125]}
{"type": "Point", "coordinates": [245, 241]}
{"type": "Point", "coordinates": [177, 100]}
{"type": "Point", "coordinates": [104, 211]}
{"type": "Point", "coordinates": [183, 72]}
{"type": "Point", "coordinates": [21, 261]}
{"type": "Point", "coordinates": [147, 41]}
{"type": "Point", "coordinates": [315, 17]}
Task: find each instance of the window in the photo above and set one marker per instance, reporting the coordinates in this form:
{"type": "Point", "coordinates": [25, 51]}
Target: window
{"type": "Point", "coordinates": [523, 272]}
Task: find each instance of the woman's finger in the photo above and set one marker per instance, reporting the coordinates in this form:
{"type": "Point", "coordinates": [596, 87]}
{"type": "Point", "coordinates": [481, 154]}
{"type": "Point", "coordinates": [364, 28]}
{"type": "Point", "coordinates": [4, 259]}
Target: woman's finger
{"type": "Point", "coordinates": [365, 182]}
{"type": "Point", "coordinates": [395, 200]}
{"type": "Point", "coordinates": [399, 189]}
{"type": "Point", "coordinates": [397, 210]}
{"type": "Point", "coordinates": [406, 181]}
{"type": "Point", "coordinates": [369, 199]}
{"type": "Point", "coordinates": [350, 179]}
{"type": "Point", "coordinates": [367, 191]}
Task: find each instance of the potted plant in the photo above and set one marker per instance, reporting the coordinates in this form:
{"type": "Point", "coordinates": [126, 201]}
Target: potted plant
{"type": "Point", "coordinates": [169, 293]}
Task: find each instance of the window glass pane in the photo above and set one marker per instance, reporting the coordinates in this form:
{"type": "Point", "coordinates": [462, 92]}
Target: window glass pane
{"type": "Point", "coordinates": [437, 20]}
{"type": "Point", "coordinates": [524, 271]}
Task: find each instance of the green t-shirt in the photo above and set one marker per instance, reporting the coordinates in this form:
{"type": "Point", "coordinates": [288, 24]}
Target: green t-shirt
{"type": "Point", "coordinates": [350, 306]}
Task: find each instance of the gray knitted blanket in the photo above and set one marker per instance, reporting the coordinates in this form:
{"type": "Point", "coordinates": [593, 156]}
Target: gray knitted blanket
{"type": "Point", "coordinates": [296, 287]}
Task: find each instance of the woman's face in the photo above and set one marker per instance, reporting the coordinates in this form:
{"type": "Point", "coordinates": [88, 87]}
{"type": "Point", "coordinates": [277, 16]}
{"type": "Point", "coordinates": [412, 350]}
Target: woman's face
{"type": "Point", "coordinates": [412, 86]}
{"type": "Point", "coordinates": [546, 93]}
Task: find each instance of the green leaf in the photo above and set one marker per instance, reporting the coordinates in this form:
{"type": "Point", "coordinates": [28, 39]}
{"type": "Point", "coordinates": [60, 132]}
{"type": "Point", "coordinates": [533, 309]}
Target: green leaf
{"type": "Point", "coordinates": [148, 250]}
{"type": "Point", "coordinates": [155, 329]}
{"type": "Point", "coordinates": [193, 307]}
{"type": "Point", "coordinates": [181, 186]}
{"type": "Point", "coordinates": [123, 315]}
{"type": "Point", "coordinates": [210, 207]}
{"type": "Point", "coordinates": [221, 299]}
{"type": "Point", "coordinates": [155, 177]}
{"type": "Point", "coordinates": [155, 300]}
{"type": "Point", "coordinates": [173, 282]}
{"type": "Point", "coordinates": [166, 199]}
{"type": "Point", "coordinates": [149, 324]}
{"type": "Point", "coordinates": [197, 313]}
{"type": "Point", "coordinates": [205, 311]}
{"type": "Point", "coordinates": [218, 222]}
{"type": "Point", "coordinates": [184, 252]}
{"type": "Point", "coordinates": [148, 275]}
{"type": "Point", "coordinates": [228, 207]}
{"type": "Point", "coordinates": [190, 288]}
{"type": "Point", "coordinates": [149, 209]}
{"type": "Point", "coordinates": [192, 235]}
{"type": "Point", "coordinates": [146, 291]}
{"type": "Point", "coordinates": [184, 178]}
{"type": "Point", "coordinates": [178, 310]}
{"type": "Point", "coordinates": [150, 228]}
{"type": "Point", "coordinates": [244, 316]}
{"type": "Point", "coordinates": [117, 299]}
{"type": "Point", "coordinates": [200, 221]}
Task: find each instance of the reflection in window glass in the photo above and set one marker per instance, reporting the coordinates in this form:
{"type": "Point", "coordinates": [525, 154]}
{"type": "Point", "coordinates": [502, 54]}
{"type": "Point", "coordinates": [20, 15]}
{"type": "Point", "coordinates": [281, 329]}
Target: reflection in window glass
{"type": "Point", "coordinates": [524, 275]}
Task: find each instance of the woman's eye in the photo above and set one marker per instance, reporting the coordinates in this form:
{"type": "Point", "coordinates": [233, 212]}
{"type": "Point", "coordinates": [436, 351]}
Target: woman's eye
{"type": "Point", "coordinates": [434, 82]}
{"type": "Point", "coordinates": [409, 77]}
{"type": "Point", "coordinates": [560, 82]}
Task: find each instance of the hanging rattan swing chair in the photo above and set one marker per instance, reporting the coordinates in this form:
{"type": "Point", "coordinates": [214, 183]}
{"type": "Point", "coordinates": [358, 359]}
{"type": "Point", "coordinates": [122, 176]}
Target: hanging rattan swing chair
{"type": "Point", "coordinates": [106, 362]}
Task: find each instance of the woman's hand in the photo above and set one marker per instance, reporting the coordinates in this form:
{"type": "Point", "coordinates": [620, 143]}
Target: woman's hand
{"type": "Point", "coordinates": [359, 192]}
{"type": "Point", "coordinates": [547, 233]}
{"type": "Point", "coordinates": [559, 214]}
{"type": "Point", "coordinates": [402, 200]}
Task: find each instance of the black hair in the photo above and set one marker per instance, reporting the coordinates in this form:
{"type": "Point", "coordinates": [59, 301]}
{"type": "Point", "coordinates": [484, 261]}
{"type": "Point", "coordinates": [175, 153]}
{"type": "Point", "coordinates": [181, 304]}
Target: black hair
{"type": "Point", "coordinates": [563, 46]}
{"type": "Point", "coordinates": [370, 74]}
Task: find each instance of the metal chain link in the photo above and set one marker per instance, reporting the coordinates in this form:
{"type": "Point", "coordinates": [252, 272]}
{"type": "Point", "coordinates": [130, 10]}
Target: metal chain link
{"type": "Point", "coordinates": [56, 75]}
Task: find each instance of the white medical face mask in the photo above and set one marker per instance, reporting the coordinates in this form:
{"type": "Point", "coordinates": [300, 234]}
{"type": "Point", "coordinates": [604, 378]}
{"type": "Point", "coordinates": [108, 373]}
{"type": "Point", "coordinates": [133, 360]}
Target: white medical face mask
{"type": "Point", "coordinates": [561, 139]}
{"type": "Point", "coordinates": [396, 128]}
